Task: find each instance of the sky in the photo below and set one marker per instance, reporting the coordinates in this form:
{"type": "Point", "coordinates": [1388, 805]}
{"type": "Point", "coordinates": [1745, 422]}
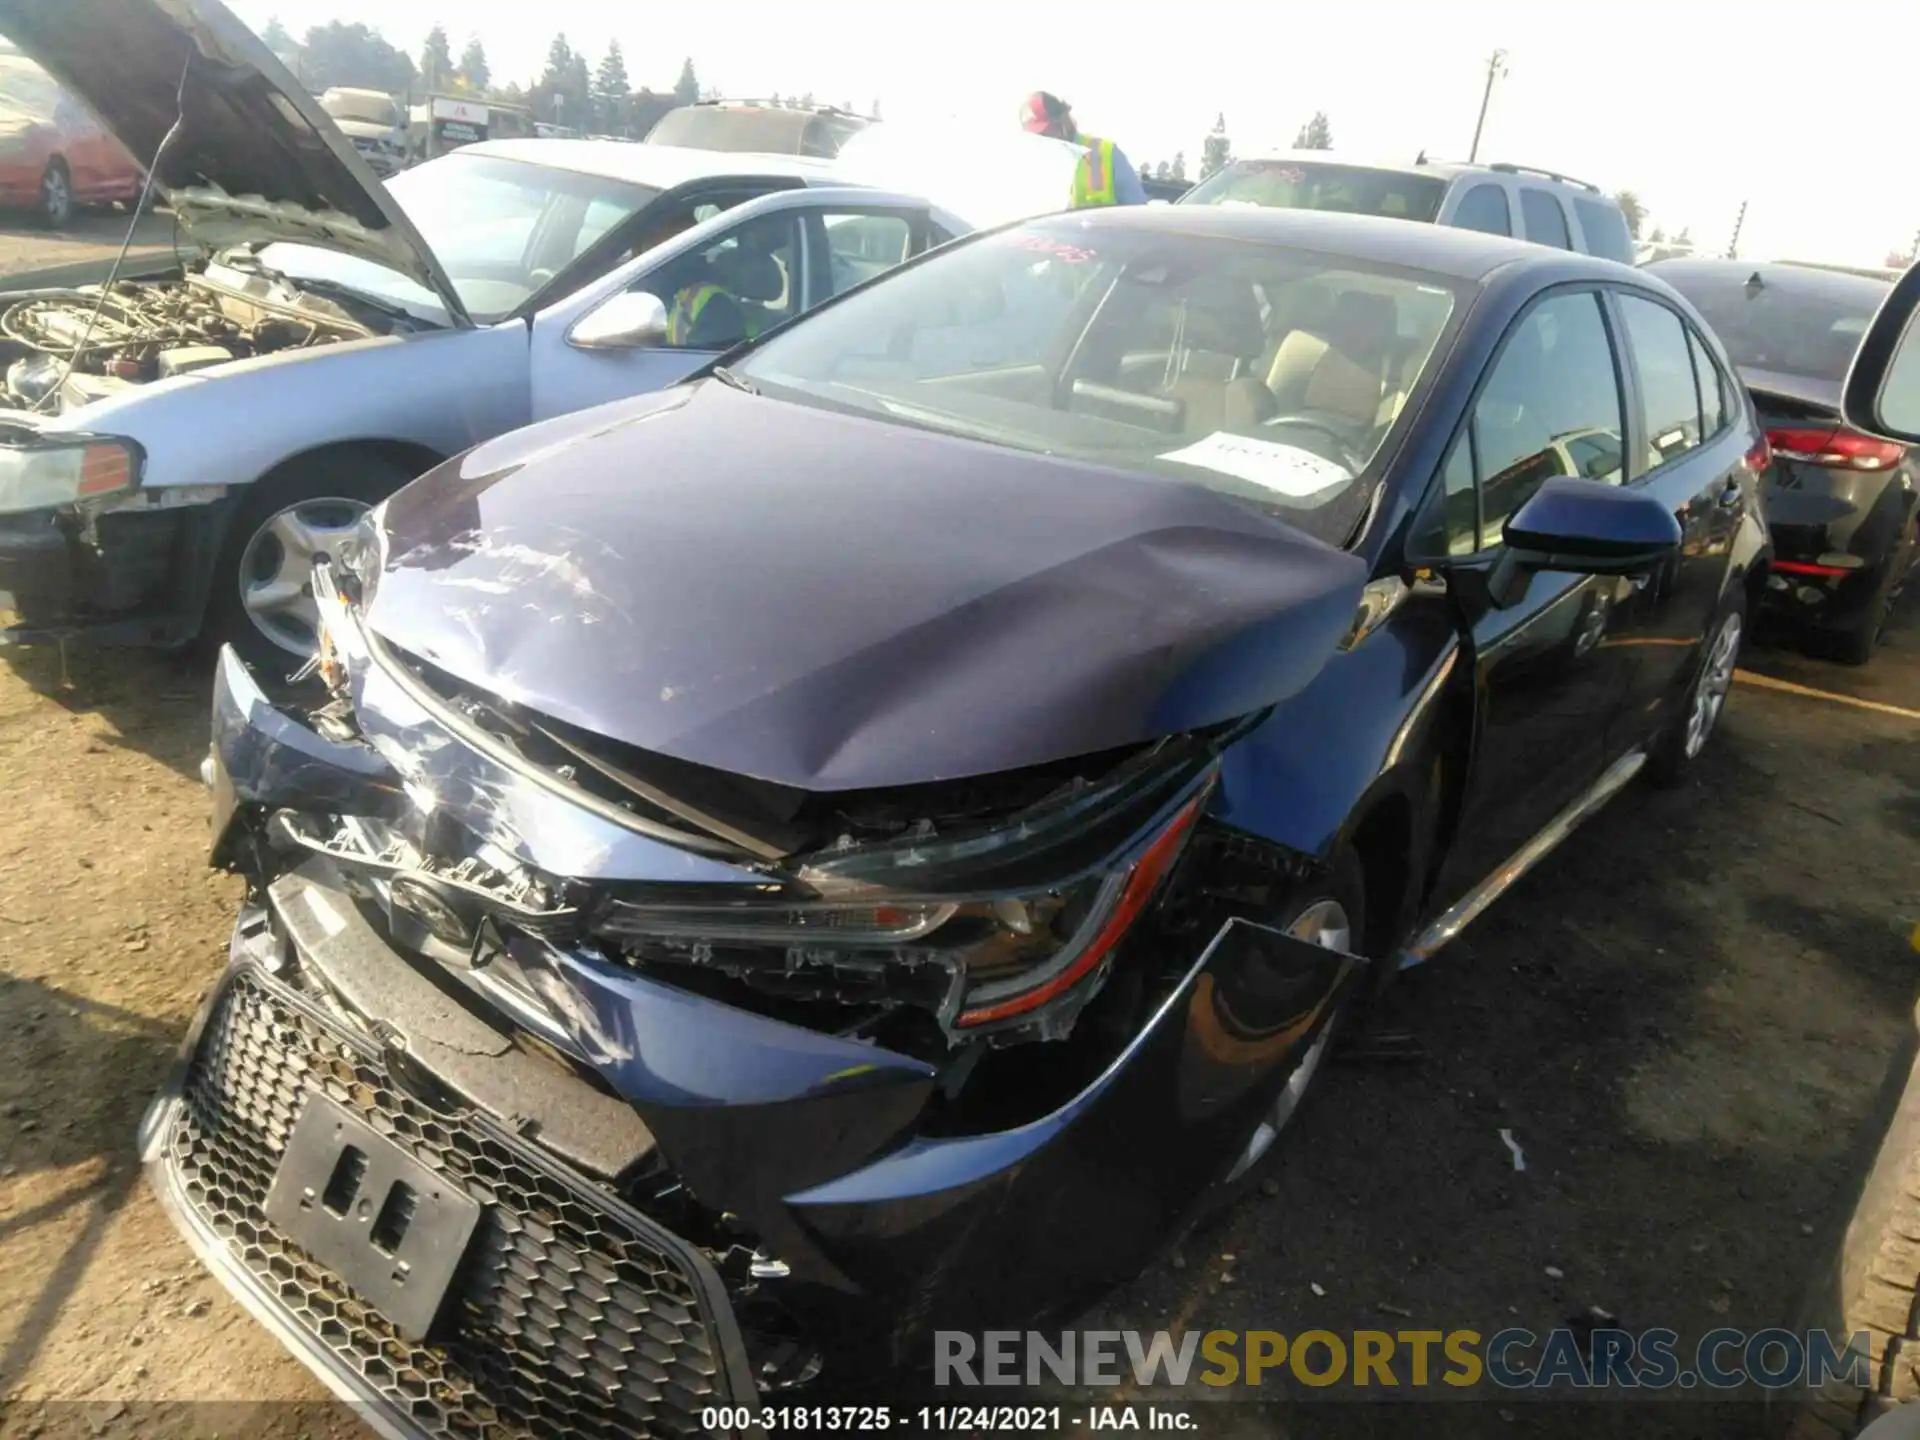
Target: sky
{"type": "Point", "coordinates": [1695, 105]}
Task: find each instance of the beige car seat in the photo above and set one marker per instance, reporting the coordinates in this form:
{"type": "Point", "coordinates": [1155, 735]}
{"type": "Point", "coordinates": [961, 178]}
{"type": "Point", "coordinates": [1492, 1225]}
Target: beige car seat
{"type": "Point", "coordinates": [1345, 371]}
{"type": "Point", "coordinates": [1218, 345]}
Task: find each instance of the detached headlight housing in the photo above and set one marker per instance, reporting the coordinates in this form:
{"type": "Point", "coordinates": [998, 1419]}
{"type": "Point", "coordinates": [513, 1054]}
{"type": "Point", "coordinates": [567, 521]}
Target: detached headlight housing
{"type": "Point", "coordinates": [981, 964]}
{"type": "Point", "coordinates": [44, 470]}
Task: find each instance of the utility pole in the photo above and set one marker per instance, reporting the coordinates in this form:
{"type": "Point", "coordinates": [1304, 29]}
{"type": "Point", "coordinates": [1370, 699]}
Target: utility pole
{"type": "Point", "coordinates": [1733, 245]}
{"type": "Point", "coordinates": [1496, 67]}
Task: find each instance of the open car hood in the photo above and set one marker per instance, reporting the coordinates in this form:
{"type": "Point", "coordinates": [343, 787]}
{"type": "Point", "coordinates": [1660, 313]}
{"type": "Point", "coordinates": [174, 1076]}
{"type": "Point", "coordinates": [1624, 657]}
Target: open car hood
{"type": "Point", "coordinates": [834, 603]}
{"type": "Point", "coordinates": [256, 157]}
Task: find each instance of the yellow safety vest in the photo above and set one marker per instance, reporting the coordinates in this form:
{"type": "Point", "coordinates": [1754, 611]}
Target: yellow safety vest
{"type": "Point", "coordinates": [687, 306]}
{"type": "Point", "coordinates": [1093, 176]}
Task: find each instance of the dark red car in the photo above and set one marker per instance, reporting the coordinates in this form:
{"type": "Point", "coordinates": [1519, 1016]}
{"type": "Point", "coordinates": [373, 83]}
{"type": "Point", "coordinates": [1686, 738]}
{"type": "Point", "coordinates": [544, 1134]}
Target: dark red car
{"type": "Point", "coordinates": [54, 156]}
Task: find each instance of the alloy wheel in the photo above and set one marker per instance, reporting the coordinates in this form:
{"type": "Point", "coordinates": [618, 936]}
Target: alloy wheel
{"type": "Point", "coordinates": [1326, 924]}
{"type": "Point", "coordinates": [56, 196]}
{"type": "Point", "coordinates": [1710, 689]}
{"type": "Point", "coordinates": [276, 568]}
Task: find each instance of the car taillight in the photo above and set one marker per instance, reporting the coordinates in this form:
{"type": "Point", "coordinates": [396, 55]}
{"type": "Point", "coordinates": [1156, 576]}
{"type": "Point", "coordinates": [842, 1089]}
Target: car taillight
{"type": "Point", "coordinates": [1835, 447]}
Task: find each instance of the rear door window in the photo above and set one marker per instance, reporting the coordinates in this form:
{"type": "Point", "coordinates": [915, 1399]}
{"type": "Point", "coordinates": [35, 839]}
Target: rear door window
{"type": "Point", "coordinates": [1669, 397]}
{"type": "Point", "coordinates": [1546, 221]}
{"type": "Point", "coordinates": [1605, 229]}
{"type": "Point", "coordinates": [1484, 207]}
{"type": "Point", "coordinates": [861, 246]}
{"type": "Point", "coordinates": [1713, 387]}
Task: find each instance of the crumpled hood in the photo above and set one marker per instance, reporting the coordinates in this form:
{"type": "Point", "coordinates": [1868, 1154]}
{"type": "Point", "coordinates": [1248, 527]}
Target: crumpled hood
{"type": "Point", "coordinates": [256, 157]}
{"type": "Point", "coordinates": [833, 602]}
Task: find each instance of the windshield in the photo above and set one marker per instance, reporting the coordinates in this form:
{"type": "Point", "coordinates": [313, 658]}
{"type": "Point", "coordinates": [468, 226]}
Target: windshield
{"type": "Point", "coordinates": [1310, 185]}
{"type": "Point", "coordinates": [1269, 373]}
{"type": "Point", "coordinates": [368, 109]}
{"type": "Point", "coordinates": [501, 228]}
{"type": "Point", "coordinates": [1806, 325]}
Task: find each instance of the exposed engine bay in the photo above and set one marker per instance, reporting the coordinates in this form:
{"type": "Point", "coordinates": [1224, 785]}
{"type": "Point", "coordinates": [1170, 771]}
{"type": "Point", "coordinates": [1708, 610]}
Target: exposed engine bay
{"type": "Point", "coordinates": [61, 349]}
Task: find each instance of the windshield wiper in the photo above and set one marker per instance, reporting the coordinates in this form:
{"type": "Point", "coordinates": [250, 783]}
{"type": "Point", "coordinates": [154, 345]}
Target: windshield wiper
{"type": "Point", "coordinates": [734, 380]}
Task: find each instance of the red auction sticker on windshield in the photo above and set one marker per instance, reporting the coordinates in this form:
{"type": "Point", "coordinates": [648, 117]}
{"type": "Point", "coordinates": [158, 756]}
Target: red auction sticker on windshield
{"type": "Point", "coordinates": [1059, 249]}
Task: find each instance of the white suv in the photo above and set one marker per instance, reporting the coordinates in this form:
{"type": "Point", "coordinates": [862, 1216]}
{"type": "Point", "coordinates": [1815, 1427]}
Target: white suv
{"type": "Point", "coordinates": [1517, 200]}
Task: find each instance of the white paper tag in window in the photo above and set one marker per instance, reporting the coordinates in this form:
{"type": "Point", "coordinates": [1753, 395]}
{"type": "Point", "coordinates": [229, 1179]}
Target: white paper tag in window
{"type": "Point", "coordinates": [1284, 469]}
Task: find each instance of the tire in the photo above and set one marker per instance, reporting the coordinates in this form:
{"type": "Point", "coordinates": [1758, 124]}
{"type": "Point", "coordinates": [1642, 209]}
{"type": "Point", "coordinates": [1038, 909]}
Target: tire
{"type": "Point", "coordinates": [1682, 743]}
{"type": "Point", "coordinates": [1855, 644]}
{"type": "Point", "coordinates": [1314, 910]}
{"type": "Point", "coordinates": [317, 498]}
{"type": "Point", "coordinates": [56, 195]}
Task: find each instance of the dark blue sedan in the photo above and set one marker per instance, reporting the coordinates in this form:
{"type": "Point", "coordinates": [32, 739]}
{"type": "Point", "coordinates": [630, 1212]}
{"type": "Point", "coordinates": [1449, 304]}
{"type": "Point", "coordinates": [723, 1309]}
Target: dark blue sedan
{"type": "Point", "coordinates": [875, 839]}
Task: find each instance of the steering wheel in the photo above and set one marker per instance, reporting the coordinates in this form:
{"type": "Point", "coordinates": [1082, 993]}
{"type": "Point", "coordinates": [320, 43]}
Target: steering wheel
{"type": "Point", "coordinates": [1309, 422]}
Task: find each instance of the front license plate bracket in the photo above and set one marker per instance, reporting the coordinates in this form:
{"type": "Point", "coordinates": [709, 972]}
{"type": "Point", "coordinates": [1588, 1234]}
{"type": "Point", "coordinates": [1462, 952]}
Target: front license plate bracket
{"type": "Point", "coordinates": [392, 1228]}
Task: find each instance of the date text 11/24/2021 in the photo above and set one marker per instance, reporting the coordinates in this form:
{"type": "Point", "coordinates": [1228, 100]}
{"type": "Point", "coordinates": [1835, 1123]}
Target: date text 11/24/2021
{"type": "Point", "coordinates": [961, 1419]}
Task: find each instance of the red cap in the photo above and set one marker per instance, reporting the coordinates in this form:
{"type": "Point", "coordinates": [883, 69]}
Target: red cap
{"type": "Point", "coordinates": [1041, 111]}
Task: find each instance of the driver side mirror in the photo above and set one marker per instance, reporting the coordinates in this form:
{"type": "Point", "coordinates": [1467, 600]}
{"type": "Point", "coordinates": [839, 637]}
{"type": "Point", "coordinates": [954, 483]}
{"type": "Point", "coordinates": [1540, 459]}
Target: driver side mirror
{"type": "Point", "coordinates": [1882, 391]}
{"type": "Point", "coordinates": [631, 320]}
{"type": "Point", "coordinates": [1585, 528]}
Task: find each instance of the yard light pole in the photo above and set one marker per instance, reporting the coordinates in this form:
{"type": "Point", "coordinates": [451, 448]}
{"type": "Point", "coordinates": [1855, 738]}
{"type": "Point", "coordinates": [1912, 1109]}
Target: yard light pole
{"type": "Point", "coordinates": [1496, 67]}
{"type": "Point", "coordinates": [1733, 245]}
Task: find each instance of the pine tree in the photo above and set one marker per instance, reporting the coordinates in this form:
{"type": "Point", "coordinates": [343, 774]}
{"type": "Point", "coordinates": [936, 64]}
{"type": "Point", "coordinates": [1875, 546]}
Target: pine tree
{"type": "Point", "coordinates": [686, 89]}
{"type": "Point", "coordinates": [276, 37]}
{"type": "Point", "coordinates": [436, 59]}
{"type": "Point", "coordinates": [1217, 153]}
{"type": "Point", "coordinates": [610, 87]}
{"type": "Point", "coordinates": [1316, 134]}
{"type": "Point", "coordinates": [1179, 171]}
{"type": "Point", "coordinates": [473, 65]}
{"type": "Point", "coordinates": [1632, 210]}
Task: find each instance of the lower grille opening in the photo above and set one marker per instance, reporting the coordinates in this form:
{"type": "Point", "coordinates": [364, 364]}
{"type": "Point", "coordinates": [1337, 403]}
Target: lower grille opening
{"type": "Point", "coordinates": [570, 1314]}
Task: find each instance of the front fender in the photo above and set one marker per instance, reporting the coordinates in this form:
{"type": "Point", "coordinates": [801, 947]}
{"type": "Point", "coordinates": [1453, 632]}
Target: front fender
{"type": "Point", "coordinates": [1366, 727]}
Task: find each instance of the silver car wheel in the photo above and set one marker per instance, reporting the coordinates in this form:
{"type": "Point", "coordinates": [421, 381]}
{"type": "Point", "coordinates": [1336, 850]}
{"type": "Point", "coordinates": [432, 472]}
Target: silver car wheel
{"type": "Point", "coordinates": [1710, 689]}
{"type": "Point", "coordinates": [276, 568]}
{"type": "Point", "coordinates": [56, 196]}
{"type": "Point", "coordinates": [1325, 923]}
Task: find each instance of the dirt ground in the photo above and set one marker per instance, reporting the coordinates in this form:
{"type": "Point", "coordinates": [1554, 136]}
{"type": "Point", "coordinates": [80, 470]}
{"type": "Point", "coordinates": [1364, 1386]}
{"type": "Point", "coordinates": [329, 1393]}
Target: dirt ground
{"type": "Point", "coordinates": [94, 236]}
{"type": "Point", "coordinates": [1685, 1017]}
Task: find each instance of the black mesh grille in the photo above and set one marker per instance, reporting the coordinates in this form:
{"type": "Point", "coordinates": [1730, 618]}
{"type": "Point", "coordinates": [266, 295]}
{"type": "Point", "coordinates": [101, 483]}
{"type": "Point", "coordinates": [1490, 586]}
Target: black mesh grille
{"type": "Point", "coordinates": [564, 1319]}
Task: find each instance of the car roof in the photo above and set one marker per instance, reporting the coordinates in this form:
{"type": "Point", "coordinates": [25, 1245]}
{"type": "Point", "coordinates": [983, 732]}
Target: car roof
{"type": "Point", "coordinates": [661, 166]}
{"type": "Point", "coordinates": [1836, 285]}
{"type": "Point", "coordinates": [1439, 169]}
{"type": "Point", "coordinates": [1438, 249]}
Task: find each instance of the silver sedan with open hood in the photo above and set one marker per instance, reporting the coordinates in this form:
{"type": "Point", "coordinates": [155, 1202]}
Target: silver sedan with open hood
{"type": "Point", "coordinates": [177, 449]}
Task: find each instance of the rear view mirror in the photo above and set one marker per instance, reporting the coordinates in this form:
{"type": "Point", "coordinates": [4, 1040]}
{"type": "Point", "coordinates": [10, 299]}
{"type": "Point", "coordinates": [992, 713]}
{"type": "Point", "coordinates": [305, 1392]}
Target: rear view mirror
{"type": "Point", "coordinates": [1882, 393]}
{"type": "Point", "coordinates": [1585, 528]}
{"type": "Point", "coordinates": [631, 320]}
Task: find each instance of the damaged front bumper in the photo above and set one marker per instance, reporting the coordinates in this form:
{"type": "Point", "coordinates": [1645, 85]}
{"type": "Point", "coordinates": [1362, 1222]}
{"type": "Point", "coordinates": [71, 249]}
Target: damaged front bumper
{"type": "Point", "coordinates": [850, 1198]}
{"type": "Point", "coordinates": [133, 575]}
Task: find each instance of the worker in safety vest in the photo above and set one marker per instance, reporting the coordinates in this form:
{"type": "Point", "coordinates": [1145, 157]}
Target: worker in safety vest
{"type": "Point", "coordinates": [708, 317]}
{"type": "Point", "coordinates": [1104, 176]}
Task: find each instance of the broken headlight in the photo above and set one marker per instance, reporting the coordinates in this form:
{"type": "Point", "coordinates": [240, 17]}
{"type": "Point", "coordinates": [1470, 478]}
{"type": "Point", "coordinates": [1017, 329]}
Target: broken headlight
{"type": "Point", "coordinates": [977, 962]}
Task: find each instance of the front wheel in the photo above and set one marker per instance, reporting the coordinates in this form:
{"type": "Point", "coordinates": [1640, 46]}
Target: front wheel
{"type": "Point", "coordinates": [56, 195]}
{"type": "Point", "coordinates": [1686, 737]}
{"type": "Point", "coordinates": [1330, 911]}
{"type": "Point", "coordinates": [262, 602]}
